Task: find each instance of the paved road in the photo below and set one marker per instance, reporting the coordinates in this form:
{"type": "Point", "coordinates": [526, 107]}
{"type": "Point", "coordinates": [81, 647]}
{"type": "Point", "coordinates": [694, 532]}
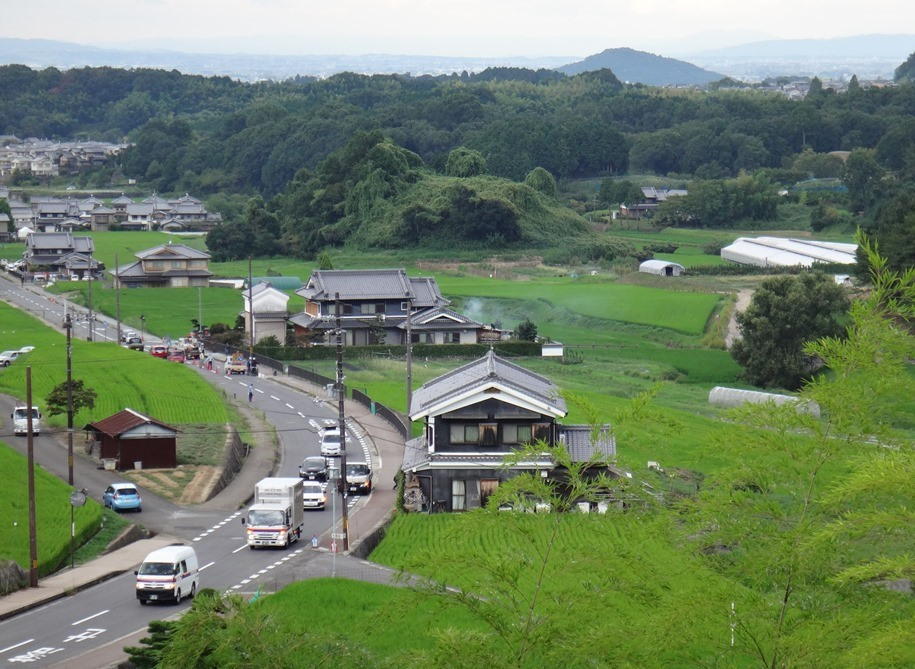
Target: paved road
{"type": "Point", "coordinates": [104, 614]}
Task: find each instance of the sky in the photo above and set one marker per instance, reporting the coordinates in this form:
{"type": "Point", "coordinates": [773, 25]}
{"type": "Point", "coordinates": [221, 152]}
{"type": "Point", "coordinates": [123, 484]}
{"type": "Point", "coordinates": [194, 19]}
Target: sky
{"type": "Point", "coordinates": [447, 28]}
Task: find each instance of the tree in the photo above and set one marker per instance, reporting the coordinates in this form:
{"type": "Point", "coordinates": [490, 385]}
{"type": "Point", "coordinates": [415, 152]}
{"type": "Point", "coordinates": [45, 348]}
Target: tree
{"type": "Point", "coordinates": [906, 71]}
{"type": "Point", "coordinates": [527, 330]}
{"type": "Point", "coordinates": [893, 231]}
{"type": "Point", "coordinates": [324, 261]}
{"type": "Point", "coordinates": [541, 180]}
{"type": "Point", "coordinates": [5, 209]}
{"type": "Point", "coordinates": [464, 162]}
{"type": "Point", "coordinates": [786, 312]}
{"type": "Point", "coordinates": [862, 177]}
{"type": "Point", "coordinates": [83, 398]}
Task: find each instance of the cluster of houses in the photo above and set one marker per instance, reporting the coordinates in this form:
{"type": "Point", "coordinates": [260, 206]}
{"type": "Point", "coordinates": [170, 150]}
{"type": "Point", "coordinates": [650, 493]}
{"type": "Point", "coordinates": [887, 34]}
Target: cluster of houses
{"type": "Point", "coordinates": [651, 199]}
{"type": "Point", "coordinates": [45, 158]}
{"type": "Point", "coordinates": [45, 213]}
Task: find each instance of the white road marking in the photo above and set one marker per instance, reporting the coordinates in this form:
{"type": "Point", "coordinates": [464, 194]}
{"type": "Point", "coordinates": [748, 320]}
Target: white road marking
{"type": "Point", "coordinates": [236, 587]}
{"type": "Point", "coordinates": [301, 415]}
{"type": "Point", "coordinates": [240, 548]}
{"type": "Point", "coordinates": [289, 405]}
{"type": "Point", "coordinates": [262, 571]}
{"type": "Point", "coordinates": [95, 615]}
{"type": "Point", "coordinates": [258, 390]}
{"type": "Point", "coordinates": [22, 643]}
{"type": "Point", "coordinates": [274, 397]}
{"type": "Point", "coordinates": [196, 539]}
{"type": "Point", "coordinates": [246, 581]}
{"type": "Point", "coordinates": [210, 564]}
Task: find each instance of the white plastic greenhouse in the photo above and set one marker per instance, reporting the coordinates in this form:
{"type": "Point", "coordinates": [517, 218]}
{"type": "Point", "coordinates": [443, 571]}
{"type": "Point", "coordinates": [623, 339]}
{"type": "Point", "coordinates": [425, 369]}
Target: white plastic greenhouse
{"type": "Point", "coordinates": [734, 397]}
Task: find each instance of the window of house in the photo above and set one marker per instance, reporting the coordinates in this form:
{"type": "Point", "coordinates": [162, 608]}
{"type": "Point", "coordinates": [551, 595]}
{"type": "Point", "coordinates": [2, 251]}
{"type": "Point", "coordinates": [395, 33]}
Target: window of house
{"type": "Point", "coordinates": [458, 495]}
{"type": "Point", "coordinates": [542, 431]}
{"type": "Point", "coordinates": [465, 433]}
{"type": "Point", "coordinates": [404, 306]}
{"type": "Point", "coordinates": [421, 337]}
{"type": "Point", "coordinates": [452, 337]}
{"type": "Point", "coordinates": [177, 264]}
{"type": "Point", "coordinates": [512, 433]}
{"type": "Point", "coordinates": [488, 432]}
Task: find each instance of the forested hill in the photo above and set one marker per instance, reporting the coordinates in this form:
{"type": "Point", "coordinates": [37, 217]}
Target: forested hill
{"type": "Point", "coordinates": [644, 68]}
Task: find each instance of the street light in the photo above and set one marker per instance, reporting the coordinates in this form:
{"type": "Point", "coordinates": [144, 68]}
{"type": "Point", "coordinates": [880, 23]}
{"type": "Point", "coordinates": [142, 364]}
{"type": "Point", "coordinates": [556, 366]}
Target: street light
{"type": "Point", "coordinates": [77, 498]}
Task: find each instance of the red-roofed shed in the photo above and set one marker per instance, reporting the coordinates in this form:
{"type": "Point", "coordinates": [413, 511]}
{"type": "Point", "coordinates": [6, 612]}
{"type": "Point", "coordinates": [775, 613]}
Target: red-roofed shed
{"type": "Point", "coordinates": [128, 437]}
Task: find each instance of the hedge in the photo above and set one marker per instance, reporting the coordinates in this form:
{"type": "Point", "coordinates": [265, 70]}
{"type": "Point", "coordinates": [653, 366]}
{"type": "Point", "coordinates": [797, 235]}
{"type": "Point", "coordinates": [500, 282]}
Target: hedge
{"type": "Point", "coordinates": [740, 270]}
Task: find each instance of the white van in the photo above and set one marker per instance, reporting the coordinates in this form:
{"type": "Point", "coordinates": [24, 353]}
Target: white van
{"type": "Point", "coordinates": [20, 418]}
{"type": "Point", "coordinates": [170, 573]}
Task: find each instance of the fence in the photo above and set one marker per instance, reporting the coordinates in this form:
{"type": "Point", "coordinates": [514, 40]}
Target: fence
{"type": "Point", "coordinates": [313, 377]}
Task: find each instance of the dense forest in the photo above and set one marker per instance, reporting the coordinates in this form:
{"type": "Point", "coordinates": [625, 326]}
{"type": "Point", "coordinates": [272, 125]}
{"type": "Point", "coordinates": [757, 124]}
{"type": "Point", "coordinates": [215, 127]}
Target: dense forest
{"type": "Point", "coordinates": [214, 135]}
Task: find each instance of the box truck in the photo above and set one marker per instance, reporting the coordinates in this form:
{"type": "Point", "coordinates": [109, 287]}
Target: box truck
{"type": "Point", "coordinates": [20, 418]}
{"type": "Point", "coordinates": [277, 515]}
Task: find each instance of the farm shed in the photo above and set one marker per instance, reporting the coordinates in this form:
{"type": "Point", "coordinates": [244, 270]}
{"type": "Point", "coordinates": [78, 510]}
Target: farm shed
{"type": "Point", "coordinates": [734, 397]}
{"type": "Point", "coordinates": [662, 268]}
{"type": "Point", "coordinates": [130, 437]}
{"type": "Point", "coordinates": [781, 252]}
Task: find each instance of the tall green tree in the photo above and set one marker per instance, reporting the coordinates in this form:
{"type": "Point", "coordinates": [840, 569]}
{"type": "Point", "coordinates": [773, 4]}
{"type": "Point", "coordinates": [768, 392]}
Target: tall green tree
{"type": "Point", "coordinates": [786, 312]}
{"type": "Point", "coordinates": [862, 176]}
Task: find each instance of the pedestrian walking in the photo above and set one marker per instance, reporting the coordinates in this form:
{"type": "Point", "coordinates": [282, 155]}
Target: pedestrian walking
{"type": "Point", "coordinates": [314, 541]}
{"type": "Point", "coordinates": [250, 392]}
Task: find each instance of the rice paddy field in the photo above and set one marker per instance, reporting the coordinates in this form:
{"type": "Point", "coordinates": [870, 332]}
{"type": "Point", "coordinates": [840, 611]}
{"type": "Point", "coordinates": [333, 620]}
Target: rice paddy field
{"type": "Point", "coordinates": [52, 505]}
{"type": "Point", "coordinates": [166, 390]}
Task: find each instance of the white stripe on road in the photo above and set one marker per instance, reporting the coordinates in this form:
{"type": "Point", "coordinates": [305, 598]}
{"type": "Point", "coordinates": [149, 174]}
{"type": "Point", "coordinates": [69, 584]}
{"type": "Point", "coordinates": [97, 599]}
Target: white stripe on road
{"type": "Point", "coordinates": [22, 643]}
{"type": "Point", "coordinates": [94, 615]}
{"type": "Point", "coordinates": [274, 397]}
{"type": "Point", "coordinates": [289, 405]}
{"type": "Point", "coordinates": [206, 565]}
{"type": "Point", "coordinates": [240, 548]}
{"type": "Point", "coordinates": [301, 415]}
{"type": "Point", "coordinates": [258, 390]}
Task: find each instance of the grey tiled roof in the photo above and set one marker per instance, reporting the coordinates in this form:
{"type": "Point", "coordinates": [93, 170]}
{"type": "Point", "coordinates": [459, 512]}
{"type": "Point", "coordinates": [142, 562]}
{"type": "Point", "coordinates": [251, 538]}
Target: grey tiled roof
{"type": "Point", "coordinates": [418, 321]}
{"type": "Point", "coordinates": [139, 209]}
{"type": "Point", "coordinates": [38, 241]}
{"type": "Point", "coordinates": [483, 372]}
{"type": "Point", "coordinates": [372, 284]}
{"type": "Point", "coordinates": [166, 251]}
{"type": "Point", "coordinates": [578, 441]}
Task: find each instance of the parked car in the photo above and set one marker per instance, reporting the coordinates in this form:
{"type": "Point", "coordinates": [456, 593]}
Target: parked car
{"type": "Point", "coordinates": [134, 344]}
{"type": "Point", "coordinates": [7, 358]}
{"type": "Point", "coordinates": [121, 497]}
{"type": "Point", "coordinates": [313, 496]}
{"type": "Point", "coordinates": [313, 468]}
{"type": "Point", "coordinates": [26, 349]}
{"type": "Point", "coordinates": [330, 445]}
{"type": "Point", "coordinates": [158, 351]}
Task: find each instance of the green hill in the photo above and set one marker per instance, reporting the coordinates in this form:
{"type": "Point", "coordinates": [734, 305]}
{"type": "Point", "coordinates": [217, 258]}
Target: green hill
{"type": "Point", "coordinates": [643, 68]}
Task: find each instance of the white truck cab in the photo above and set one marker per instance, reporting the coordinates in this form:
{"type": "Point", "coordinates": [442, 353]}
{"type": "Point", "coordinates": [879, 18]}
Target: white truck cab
{"type": "Point", "coordinates": [278, 513]}
{"type": "Point", "coordinates": [20, 417]}
{"type": "Point", "coordinates": [170, 574]}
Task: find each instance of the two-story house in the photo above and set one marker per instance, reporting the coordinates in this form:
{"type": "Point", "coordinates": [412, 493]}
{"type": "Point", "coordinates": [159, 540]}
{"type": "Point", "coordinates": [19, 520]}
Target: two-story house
{"type": "Point", "coordinates": [269, 312]}
{"type": "Point", "coordinates": [60, 252]}
{"type": "Point", "coordinates": [375, 305]}
{"type": "Point", "coordinates": [172, 265]}
{"type": "Point", "coordinates": [474, 418]}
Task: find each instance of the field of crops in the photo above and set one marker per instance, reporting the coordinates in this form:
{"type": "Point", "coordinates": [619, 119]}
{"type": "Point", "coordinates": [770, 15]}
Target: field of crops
{"type": "Point", "coordinates": [52, 504]}
{"type": "Point", "coordinates": [166, 390]}
{"type": "Point", "coordinates": [681, 311]}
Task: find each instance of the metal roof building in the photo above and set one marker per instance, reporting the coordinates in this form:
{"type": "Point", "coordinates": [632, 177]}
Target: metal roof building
{"type": "Point", "coordinates": [662, 267]}
{"type": "Point", "coordinates": [786, 252]}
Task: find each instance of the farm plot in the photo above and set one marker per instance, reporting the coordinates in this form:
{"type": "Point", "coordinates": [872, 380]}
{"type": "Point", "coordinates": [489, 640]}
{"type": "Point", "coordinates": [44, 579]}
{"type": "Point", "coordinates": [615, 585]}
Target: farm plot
{"type": "Point", "coordinates": [681, 311]}
{"type": "Point", "coordinates": [167, 390]}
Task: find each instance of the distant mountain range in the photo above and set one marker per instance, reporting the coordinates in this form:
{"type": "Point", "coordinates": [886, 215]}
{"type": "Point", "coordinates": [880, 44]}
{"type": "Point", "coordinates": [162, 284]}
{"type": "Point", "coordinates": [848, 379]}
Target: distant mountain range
{"type": "Point", "coordinates": [868, 56]}
{"type": "Point", "coordinates": [38, 53]}
{"type": "Point", "coordinates": [644, 68]}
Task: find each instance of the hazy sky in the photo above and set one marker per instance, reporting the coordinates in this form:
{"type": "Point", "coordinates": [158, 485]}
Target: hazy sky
{"type": "Point", "coordinates": [455, 27]}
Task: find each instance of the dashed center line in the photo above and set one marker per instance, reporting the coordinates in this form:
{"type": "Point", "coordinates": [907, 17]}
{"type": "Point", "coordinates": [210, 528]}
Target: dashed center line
{"type": "Point", "coordinates": [274, 397]}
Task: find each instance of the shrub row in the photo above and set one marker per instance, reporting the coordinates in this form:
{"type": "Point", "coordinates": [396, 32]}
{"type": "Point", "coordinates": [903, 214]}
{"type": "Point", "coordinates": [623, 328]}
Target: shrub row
{"type": "Point", "coordinates": [508, 348]}
{"type": "Point", "coordinates": [740, 270]}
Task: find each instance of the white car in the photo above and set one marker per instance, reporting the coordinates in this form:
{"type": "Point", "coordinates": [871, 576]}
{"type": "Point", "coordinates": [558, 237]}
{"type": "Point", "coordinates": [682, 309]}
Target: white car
{"type": "Point", "coordinates": [313, 495]}
{"type": "Point", "coordinates": [26, 349]}
{"type": "Point", "coordinates": [7, 358]}
{"type": "Point", "coordinates": [330, 445]}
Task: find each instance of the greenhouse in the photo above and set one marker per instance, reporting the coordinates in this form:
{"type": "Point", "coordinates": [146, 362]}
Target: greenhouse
{"type": "Point", "coordinates": [782, 252]}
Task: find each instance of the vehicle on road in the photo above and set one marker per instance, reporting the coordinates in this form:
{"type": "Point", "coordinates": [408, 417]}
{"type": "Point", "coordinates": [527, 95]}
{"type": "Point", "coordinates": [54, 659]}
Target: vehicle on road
{"type": "Point", "coordinates": [313, 495]}
{"type": "Point", "coordinates": [122, 497]}
{"type": "Point", "coordinates": [26, 349]}
{"type": "Point", "coordinates": [134, 343]}
{"type": "Point", "coordinates": [359, 477]}
{"type": "Point", "coordinates": [7, 358]}
{"type": "Point", "coordinates": [175, 355]}
{"type": "Point", "coordinates": [236, 364]}
{"type": "Point", "coordinates": [158, 351]}
{"type": "Point", "coordinates": [170, 573]}
{"type": "Point", "coordinates": [20, 417]}
{"type": "Point", "coordinates": [313, 468]}
{"type": "Point", "coordinates": [277, 515]}
{"type": "Point", "coordinates": [330, 445]}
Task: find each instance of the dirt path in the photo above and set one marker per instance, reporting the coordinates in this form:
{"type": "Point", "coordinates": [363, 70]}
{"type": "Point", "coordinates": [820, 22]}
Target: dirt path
{"type": "Point", "coordinates": [743, 301]}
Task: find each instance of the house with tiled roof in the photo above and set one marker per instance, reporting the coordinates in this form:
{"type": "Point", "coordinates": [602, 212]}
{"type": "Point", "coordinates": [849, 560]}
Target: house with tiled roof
{"type": "Point", "coordinates": [171, 265]}
{"type": "Point", "coordinates": [375, 305]}
{"type": "Point", "coordinates": [60, 252]}
{"type": "Point", "coordinates": [475, 418]}
{"type": "Point", "coordinates": [269, 312]}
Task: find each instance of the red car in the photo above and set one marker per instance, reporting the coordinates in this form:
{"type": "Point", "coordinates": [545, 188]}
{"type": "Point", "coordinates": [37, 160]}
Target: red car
{"type": "Point", "coordinates": [158, 351]}
{"type": "Point", "coordinates": [176, 355]}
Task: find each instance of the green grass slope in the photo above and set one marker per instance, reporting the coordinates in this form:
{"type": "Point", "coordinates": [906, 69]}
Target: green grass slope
{"type": "Point", "coordinates": [168, 391]}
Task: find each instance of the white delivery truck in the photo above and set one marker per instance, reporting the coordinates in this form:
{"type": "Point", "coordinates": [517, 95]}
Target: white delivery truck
{"type": "Point", "coordinates": [358, 477]}
{"type": "Point", "coordinates": [169, 573]}
{"type": "Point", "coordinates": [20, 418]}
{"type": "Point", "coordinates": [277, 515]}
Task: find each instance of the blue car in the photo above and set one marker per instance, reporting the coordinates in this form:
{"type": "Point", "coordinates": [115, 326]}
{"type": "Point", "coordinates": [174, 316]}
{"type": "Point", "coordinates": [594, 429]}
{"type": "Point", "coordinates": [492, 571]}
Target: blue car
{"type": "Point", "coordinates": [121, 497]}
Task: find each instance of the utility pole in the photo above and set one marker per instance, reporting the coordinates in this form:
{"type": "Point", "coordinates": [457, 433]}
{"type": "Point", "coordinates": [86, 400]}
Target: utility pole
{"type": "Point", "coordinates": [250, 315]}
{"type": "Point", "coordinates": [409, 354]}
{"type": "Point", "coordinates": [341, 422]}
{"type": "Point", "coordinates": [117, 295]}
{"type": "Point", "coordinates": [89, 336]}
{"type": "Point", "coordinates": [33, 539]}
{"type": "Point", "coordinates": [68, 325]}
{"type": "Point", "coordinates": [200, 309]}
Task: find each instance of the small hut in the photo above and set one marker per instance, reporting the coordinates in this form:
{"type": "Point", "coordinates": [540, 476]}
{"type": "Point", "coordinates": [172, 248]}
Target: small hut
{"type": "Point", "coordinates": [662, 268]}
{"type": "Point", "coordinates": [135, 441]}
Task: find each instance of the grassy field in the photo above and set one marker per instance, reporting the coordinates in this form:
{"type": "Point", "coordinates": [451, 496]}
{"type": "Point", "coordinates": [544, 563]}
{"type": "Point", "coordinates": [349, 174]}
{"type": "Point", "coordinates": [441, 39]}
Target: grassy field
{"type": "Point", "coordinates": [685, 312]}
{"type": "Point", "coordinates": [168, 391]}
{"type": "Point", "coordinates": [52, 504]}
